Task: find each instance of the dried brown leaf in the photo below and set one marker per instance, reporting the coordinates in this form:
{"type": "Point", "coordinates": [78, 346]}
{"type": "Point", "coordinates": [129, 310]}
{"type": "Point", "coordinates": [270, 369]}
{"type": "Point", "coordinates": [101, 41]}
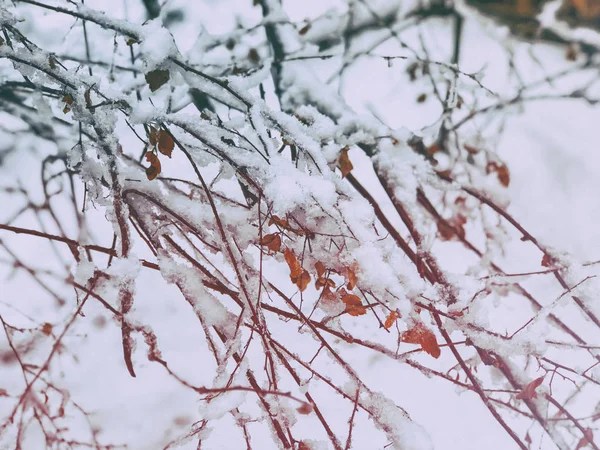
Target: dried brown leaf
{"type": "Point", "coordinates": [306, 408]}
{"type": "Point", "coordinates": [344, 162]}
{"type": "Point", "coordinates": [303, 280]}
{"type": "Point", "coordinates": [391, 319]}
{"type": "Point", "coordinates": [271, 241]}
{"type": "Point", "coordinates": [165, 143]}
{"type": "Point", "coordinates": [354, 305]}
{"type": "Point", "coordinates": [47, 329]}
{"type": "Point", "coordinates": [155, 168]}
{"type": "Point", "coordinates": [424, 337]}
{"type": "Point", "coordinates": [352, 278]}
{"type": "Point", "coordinates": [320, 268]}
{"type": "Point", "coordinates": [156, 78]}
{"type": "Point", "coordinates": [528, 391]}
{"type": "Point", "coordinates": [304, 29]}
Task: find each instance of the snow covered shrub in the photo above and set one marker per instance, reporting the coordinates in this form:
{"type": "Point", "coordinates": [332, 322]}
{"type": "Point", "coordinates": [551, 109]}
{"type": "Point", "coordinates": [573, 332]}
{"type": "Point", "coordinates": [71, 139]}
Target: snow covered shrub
{"type": "Point", "coordinates": [274, 224]}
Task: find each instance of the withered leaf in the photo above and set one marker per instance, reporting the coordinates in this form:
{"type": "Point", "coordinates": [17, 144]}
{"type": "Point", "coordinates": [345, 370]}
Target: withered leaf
{"type": "Point", "coordinates": [156, 78]}
{"type": "Point", "coordinates": [47, 329]}
{"type": "Point", "coordinates": [306, 408]}
{"type": "Point", "coordinates": [320, 268]}
{"type": "Point", "coordinates": [299, 276]}
{"type": "Point", "coordinates": [304, 29]}
{"type": "Point", "coordinates": [154, 169]}
{"type": "Point", "coordinates": [424, 337]}
{"type": "Point", "coordinates": [344, 162]}
{"type": "Point", "coordinates": [469, 148]}
{"type": "Point", "coordinates": [391, 319]}
{"type": "Point", "coordinates": [354, 305]}
{"type": "Point", "coordinates": [528, 391]}
{"type": "Point", "coordinates": [88, 98]}
{"type": "Point", "coordinates": [271, 241]}
{"type": "Point", "coordinates": [546, 261]}
{"type": "Point", "coordinates": [322, 281]}
{"type": "Point", "coordinates": [153, 136]}
{"type": "Point", "coordinates": [276, 220]}
{"type": "Point", "coordinates": [253, 56]}
{"type": "Point", "coordinates": [282, 223]}
{"type": "Point", "coordinates": [352, 278]}
{"type": "Point", "coordinates": [68, 102]}
{"type": "Point", "coordinates": [165, 143]}
{"type": "Point", "coordinates": [303, 281]}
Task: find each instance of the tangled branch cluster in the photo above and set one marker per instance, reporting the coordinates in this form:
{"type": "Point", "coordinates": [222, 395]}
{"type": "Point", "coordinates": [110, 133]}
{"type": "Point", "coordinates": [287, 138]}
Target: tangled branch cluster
{"type": "Point", "coordinates": [305, 237]}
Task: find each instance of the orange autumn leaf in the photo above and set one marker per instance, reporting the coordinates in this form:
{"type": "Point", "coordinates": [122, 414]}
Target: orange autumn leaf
{"type": "Point", "coordinates": [165, 143]}
{"type": "Point", "coordinates": [282, 223]}
{"type": "Point", "coordinates": [293, 264]}
{"type": "Point", "coordinates": [329, 297]}
{"type": "Point", "coordinates": [528, 391]}
{"type": "Point", "coordinates": [320, 268]}
{"type": "Point", "coordinates": [354, 305]}
{"type": "Point", "coordinates": [154, 169]}
{"type": "Point", "coordinates": [276, 220]}
{"type": "Point", "coordinates": [271, 241]}
{"type": "Point", "coordinates": [352, 278]}
{"type": "Point", "coordinates": [327, 282]}
{"type": "Point", "coordinates": [344, 162]}
{"type": "Point", "coordinates": [299, 276]}
{"type": "Point", "coordinates": [303, 280]}
{"type": "Point", "coordinates": [424, 337]}
{"type": "Point", "coordinates": [391, 319]}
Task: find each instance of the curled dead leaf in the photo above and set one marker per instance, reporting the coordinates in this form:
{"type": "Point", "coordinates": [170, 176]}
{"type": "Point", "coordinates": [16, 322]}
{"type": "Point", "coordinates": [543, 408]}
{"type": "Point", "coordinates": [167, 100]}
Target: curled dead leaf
{"type": "Point", "coordinates": [271, 241]}
{"type": "Point", "coordinates": [354, 305]}
{"type": "Point", "coordinates": [320, 268]}
{"type": "Point", "coordinates": [303, 281]}
{"type": "Point", "coordinates": [165, 143]}
{"type": "Point", "coordinates": [352, 278]}
{"type": "Point", "coordinates": [153, 136]}
{"type": "Point", "coordinates": [154, 169]}
{"type": "Point", "coordinates": [424, 337]}
{"type": "Point", "coordinates": [391, 319]}
{"type": "Point", "coordinates": [528, 391]}
{"type": "Point", "coordinates": [299, 276]}
{"type": "Point", "coordinates": [156, 78]}
{"type": "Point", "coordinates": [344, 162]}
{"type": "Point", "coordinates": [324, 282]}
{"type": "Point", "coordinates": [304, 29]}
